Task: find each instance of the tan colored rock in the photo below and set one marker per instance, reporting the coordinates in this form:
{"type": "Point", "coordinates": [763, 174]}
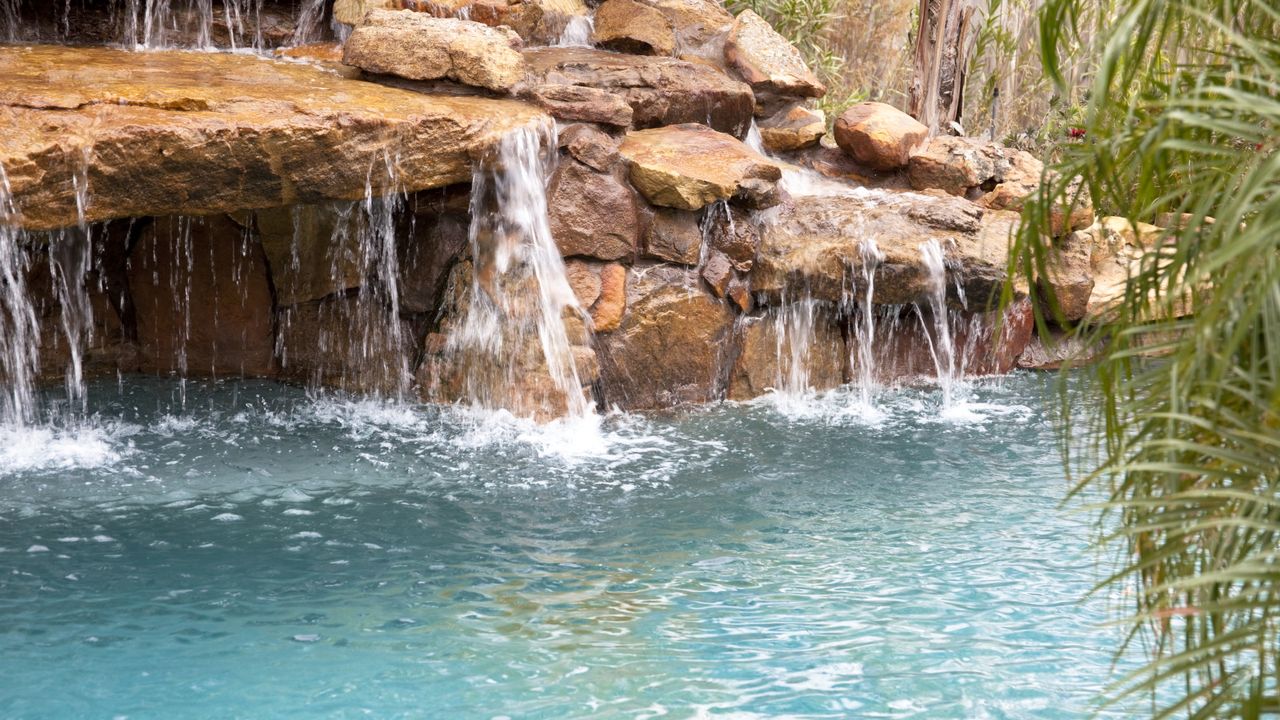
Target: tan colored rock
{"type": "Point", "coordinates": [668, 348]}
{"type": "Point", "coordinates": [590, 147]}
{"type": "Point", "coordinates": [179, 132]}
{"type": "Point", "coordinates": [879, 136]}
{"type": "Point", "coordinates": [592, 214]}
{"type": "Point", "coordinates": [700, 25]}
{"type": "Point", "coordinates": [660, 90]}
{"type": "Point", "coordinates": [584, 280]}
{"type": "Point", "coordinates": [815, 244]}
{"type": "Point", "coordinates": [311, 250]}
{"type": "Point", "coordinates": [1068, 278]}
{"type": "Point", "coordinates": [1060, 350]}
{"type": "Point", "coordinates": [766, 61]}
{"type": "Point", "coordinates": [423, 47]}
{"type": "Point", "coordinates": [633, 27]}
{"type": "Point", "coordinates": [765, 360]}
{"type": "Point", "coordinates": [202, 299]}
{"type": "Point", "coordinates": [792, 128]}
{"type": "Point", "coordinates": [674, 236]}
{"type": "Point", "coordinates": [538, 22]}
{"type": "Point", "coordinates": [689, 166]}
{"type": "Point", "coordinates": [607, 311]}
{"type": "Point", "coordinates": [352, 12]}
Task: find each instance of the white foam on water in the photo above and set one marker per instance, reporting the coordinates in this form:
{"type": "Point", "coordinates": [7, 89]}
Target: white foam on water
{"type": "Point", "coordinates": [577, 32]}
{"type": "Point", "coordinates": [38, 448]}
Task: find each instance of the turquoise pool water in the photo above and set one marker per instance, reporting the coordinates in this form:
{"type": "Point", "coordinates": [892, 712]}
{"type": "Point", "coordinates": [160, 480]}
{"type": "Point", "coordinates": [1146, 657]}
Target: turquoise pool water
{"type": "Point", "coordinates": [256, 552]}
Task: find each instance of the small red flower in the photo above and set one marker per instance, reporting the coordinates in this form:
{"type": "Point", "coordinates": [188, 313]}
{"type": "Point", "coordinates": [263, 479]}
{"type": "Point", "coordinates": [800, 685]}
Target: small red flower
{"type": "Point", "coordinates": [1076, 132]}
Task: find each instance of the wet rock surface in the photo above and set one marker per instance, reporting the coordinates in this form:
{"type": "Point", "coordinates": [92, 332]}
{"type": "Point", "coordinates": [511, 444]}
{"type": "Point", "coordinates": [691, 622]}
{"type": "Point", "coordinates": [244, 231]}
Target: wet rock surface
{"type": "Point", "coordinates": [168, 132]}
{"type": "Point", "coordinates": [689, 166]}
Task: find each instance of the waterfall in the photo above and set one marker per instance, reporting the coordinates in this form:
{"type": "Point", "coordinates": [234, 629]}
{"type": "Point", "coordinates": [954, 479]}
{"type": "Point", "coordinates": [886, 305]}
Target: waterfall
{"type": "Point", "coordinates": [941, 346]}
{"type": "Point", "coordinates": [307, 30]}
{"type": "Point", "coordinates": [19, 331]}
{"type": "Point", "coordinates": [864, 325]}
{"type": "Point", "coordinates": [577, 32]}
{"type": "Point", "coordinates": [10, 25]}
{"type": "Point", "coordinates": [378, 304]}
{"type": "Point", "coordinates": [794, 342]}
{"type": "Point", "coordinates": [513, 327]}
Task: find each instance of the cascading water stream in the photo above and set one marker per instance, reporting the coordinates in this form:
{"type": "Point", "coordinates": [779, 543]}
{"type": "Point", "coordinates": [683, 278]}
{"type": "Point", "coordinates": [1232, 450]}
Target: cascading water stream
{"type": "Point", "coordinates": [19, 331]}
{"type": "Point", "coordinates": [864, 324]}
{"type": "Point", "coordinates": [519, 293]}
{"type": "Point", "coordinates": [941, 345]}
{"type": "Point", "coordinates": [308, 27]}
{"type": "Point", "coordinates": [577, 32]}
{"type": "Point", "coordinates": [794, 339]}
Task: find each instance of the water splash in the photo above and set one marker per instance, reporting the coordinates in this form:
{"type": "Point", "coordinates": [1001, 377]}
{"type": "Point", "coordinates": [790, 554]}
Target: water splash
{"type": "Point", "coordinates": [793, 344]}
{"type": "Point", "coordinates": [309, 23]}
{"type": "Point", "coordinates": [512, 341]}
{"type": "Point", "coordinates": [577, 31]}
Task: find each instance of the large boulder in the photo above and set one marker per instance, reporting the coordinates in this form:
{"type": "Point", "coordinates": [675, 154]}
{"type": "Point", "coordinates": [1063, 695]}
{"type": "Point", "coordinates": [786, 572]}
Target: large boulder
{"type": "Point", "coordinates": [423, 47]}
{"type": "Point", "coordinates": [1068, 277]}
{"type": "Point", "coordinates": [792, 128]}
{"type": "Point", "coordinates": [601, 289]}
{"type": "Point", "coordinates": [634, 27]}
{"type": "Point", "coordinates": [660, 90]}
{"type": "Point", "coordinates": [700, 25]}
{"type": "Point", "coordinates": [164, 133]}
{"type": "Point", "coordinates": [776, 351]}
{"type": "Point", "coordinates": [592, 214]}
{"type": "Point", "coordinates": [816, 243]}
{"type": "Point", "coordinates": [202, 298]}
{"type": "Point", "coordinates": [879, 136]}
{"type": "Point", "coordinates": [538, 22]}
{"type": "Point", "coordinates": [689, 166]}
{"type": "Point", "coordinates": [767, 61]}
{"type": "Point", "coordinates": [670, 345]}
{"type": "Point", "coordinates": [353, 12]}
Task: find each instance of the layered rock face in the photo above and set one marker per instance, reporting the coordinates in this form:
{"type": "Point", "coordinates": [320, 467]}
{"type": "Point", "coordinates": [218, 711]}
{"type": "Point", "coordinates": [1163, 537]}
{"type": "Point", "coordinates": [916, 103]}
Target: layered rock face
{"type": "Point", "coordinates": [344, 224]}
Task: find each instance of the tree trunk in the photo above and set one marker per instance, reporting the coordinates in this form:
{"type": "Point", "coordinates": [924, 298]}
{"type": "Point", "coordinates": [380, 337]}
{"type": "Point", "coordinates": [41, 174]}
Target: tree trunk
{"type": "Point", "coordinates": [948, 29]}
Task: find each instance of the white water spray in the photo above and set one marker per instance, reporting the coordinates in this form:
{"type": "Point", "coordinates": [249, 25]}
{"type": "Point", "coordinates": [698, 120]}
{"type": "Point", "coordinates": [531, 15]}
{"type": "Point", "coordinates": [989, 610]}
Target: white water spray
{"type": "Point", "coordinates": [941, 345]}
{"type": "Point", "coordinates": [19, 332]}
{"type": "Point", "coordinates": [577, 32]}
{"type": "Point", "coordinates": [864, 325]}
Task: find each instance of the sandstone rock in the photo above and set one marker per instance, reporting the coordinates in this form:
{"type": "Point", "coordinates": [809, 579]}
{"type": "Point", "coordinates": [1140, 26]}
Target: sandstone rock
{"type": "Point", "coordinates": [202, 298]}
{"type": "Point", "coordinates": [538, 22]}
{"type": "Point", "coordinates": [759, 194]}
{"type": "Point", "coordinates": [835, 164]}
{"type": "Point", "coordinates": [590, 146]}
{"type": "Point", "coordinates": [352, 12]}
{"type": "Point", "coordinates": [660, 91]}
{"type": "Point", "coordinates": [1119, 250]}
{"type": "Point", "coordinates": [689, 166]}
{"type": "Point", "coordinates": [592, 214]}
{"type": "Point", "coordinates": [815, 243]}
{"type": "Point", "coordinates": [422, 47]}
{"type": "Point", "coordinates": [512, 374]}
{"type": "Point", "coordinates": [573, 103]}
{"type": "Point", "coordinates": [879, 136]}
{"type": "Point", "coordinates": [345, 342]}
{"type": "Point", "coordinates": [740, 293]}
{"type": "Point", "coordinates": [767, 355]}
{"type": "Point", "coordinates": [427, 252]}
{"type": "Point", "coordinates": [792, 128]}
{"type": "Point", "coordinates": [584, 280]}
{"type": "Point", "coordinates": [1068, 276]}
{"type": "Point", "coordinates": [733, 233]}
{"type": "Point", "coordinates": [718, 272]}
{"type": "Point", "coordinates": [633, 27]}
{"type": "Point", "coordinates": [607, 311]}
{"type": "Point", "coordinates": [952, 164]}
{"type": "Point", "coordinates": [668, 348]}
{"type": "Point", "coordinates": [311, 250]}
{"type": "Point", "coordinates": [700, 25]}
{"type": "Point", "coordinates": [171, 132]}
{"type": "Point", "coordinates": [766, 61]}
{"type": "Point", "coordinates": [1061, 349]}
{"type": "Point", "coordinates": [983, 342]}
{"type": "Point", "coordinates": [674, 236]}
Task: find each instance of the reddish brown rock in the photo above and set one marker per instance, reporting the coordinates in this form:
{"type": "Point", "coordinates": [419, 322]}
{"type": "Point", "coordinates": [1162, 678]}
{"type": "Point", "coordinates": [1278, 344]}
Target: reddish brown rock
{"type": "Point", "coordinates": [668, 348]}
{"type": "Point", "coordinates": [718, 272]}
{"type": "Point", "coordinates": [607, 311]}
{"type": "Point", "coordinates": [202, 298]}
{"type": "Point", "coordinates": [740, 293]}
{"type": "Point", "coordinates": [674, 236]}
{"type": "Point", "coordinates": [633, 27]}
{"type": "Point", "coordinates": [878, 135]}
{"type": "Point", "coordinates": [733, 233]}
{"type": "Point", "coordinates": [592, 214]}
{"type": "Point", "coordinates": [767, 361]}
{"type": "Point", "coordinates": [574, 103]}
{"type": "Point", "coordinates": [660, 90]}
{"type": "Point", "coordinates": [590, 146]}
